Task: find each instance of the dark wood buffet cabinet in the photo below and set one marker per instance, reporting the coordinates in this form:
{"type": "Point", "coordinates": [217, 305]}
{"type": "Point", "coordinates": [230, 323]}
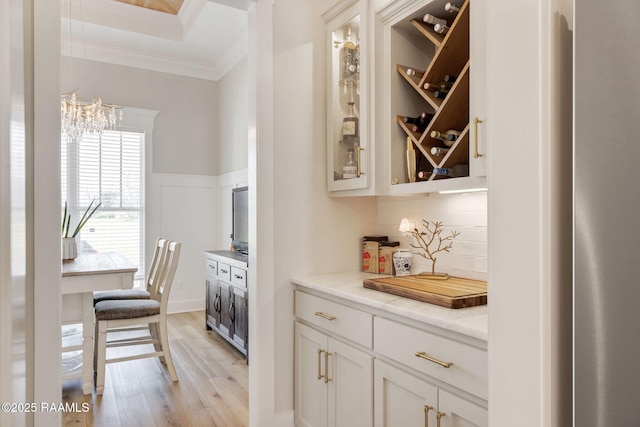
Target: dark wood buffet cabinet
{"type": "Point", "coordinates": [227, 297]}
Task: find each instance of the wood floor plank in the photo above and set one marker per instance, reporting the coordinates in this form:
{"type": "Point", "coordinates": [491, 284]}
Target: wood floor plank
{"type": "Point", "coordinates": [212, 389]}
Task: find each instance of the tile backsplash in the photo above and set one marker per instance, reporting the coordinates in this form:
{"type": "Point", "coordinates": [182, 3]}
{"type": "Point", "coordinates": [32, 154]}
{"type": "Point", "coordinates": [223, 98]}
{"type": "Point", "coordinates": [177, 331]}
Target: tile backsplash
{"type": "Point", "coordinates": [464, 213]}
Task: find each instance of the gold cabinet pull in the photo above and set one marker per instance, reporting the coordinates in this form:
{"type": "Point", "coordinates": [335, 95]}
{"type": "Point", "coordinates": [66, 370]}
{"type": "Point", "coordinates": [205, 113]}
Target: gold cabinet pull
{"type": "Point", "coordinates": [324, 316]}
{"type": "Point", "coordinates": [320, 351]}
{"type": "Point", "coordinates": [326, 367]}
{"type": "Point", "coordinates": [426, 415]}
{"type": "Point", "coordinates": [438, 416]}
{"type": "Point", "coordinates": [476, 154]}
{"type": "Point", "coordinates": [424, 355]}
{"type": "Point", "coordinates": [360, 171]}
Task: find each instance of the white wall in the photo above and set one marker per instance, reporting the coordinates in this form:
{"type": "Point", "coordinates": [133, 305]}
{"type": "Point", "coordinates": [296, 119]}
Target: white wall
{"type": "Point", "coordinates": [186, 130]}
{"type": "Point", "coordinates": [464, 213]}
{"type": "Point", "coordinates": [233, 109]}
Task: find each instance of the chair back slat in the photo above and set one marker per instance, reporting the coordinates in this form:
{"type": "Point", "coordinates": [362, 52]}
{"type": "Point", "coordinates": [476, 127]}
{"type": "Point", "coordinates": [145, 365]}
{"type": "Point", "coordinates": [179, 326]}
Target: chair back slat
{"type": "Point", "coordinates": [171, 265]}
{"type": "Point", "coordinates": [157, 264]}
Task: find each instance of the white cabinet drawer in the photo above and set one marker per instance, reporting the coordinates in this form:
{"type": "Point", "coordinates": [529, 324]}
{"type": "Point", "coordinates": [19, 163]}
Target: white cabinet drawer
{"type": "Point", "coordinates": [224, 272]}
{"type": "Point", "coordinates": [239, 277]}
{"type": "Point", "coordinates": [348, 322]}
{"type": "Point", "coordinates": [212, 268]}
{"type": "Point", "coordinates": [413, 347]}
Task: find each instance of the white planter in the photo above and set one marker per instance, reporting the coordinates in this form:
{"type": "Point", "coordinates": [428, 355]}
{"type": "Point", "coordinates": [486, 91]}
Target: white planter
{"type": "Point", "coordinates": [69, 248]}
{"type": "Point", "coordinates": [402, 262]}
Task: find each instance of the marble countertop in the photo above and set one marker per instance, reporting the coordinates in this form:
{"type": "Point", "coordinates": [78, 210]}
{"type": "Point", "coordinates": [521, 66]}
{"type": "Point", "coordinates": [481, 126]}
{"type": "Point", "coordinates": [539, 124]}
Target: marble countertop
{"type": "Point", "coordinates": [472, 321]}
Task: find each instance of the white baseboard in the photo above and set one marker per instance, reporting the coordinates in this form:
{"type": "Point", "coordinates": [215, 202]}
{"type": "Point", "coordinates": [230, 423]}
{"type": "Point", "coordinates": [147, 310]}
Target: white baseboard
{"type": "Point", "coordinates": [284, 419]}
{"type": "Point", "coordinates": [185, 306]}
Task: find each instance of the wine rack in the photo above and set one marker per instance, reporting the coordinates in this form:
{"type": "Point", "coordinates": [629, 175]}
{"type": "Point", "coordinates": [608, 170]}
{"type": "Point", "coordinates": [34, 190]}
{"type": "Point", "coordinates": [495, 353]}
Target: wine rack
{"type": "Point", "coordinates": [451, 57]}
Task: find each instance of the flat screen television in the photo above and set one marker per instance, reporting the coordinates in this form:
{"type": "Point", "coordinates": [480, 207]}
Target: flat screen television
{"type": "Point", "coordinates": [240, 219]}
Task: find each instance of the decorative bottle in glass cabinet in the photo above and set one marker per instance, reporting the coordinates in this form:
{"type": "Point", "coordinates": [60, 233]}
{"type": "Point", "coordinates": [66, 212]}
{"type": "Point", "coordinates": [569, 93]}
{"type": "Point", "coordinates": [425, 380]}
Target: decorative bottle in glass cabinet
{"type": "Point", "coordinates": [347, 144]}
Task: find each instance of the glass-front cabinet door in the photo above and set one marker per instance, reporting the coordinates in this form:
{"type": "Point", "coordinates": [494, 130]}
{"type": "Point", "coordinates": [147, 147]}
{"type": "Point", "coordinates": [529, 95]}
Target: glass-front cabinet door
{"type": "Point", "coordinates": [348, 146]}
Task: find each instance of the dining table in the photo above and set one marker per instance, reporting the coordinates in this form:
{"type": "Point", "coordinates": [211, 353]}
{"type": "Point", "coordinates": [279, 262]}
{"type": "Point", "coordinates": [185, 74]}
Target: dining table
{"type": "Point", "coordinates": [88, 272]}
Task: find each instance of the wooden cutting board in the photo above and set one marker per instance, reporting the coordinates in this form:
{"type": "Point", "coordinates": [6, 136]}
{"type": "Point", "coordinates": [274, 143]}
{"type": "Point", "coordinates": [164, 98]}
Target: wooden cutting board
{"type": "Point", "coordinates": [454, 292]}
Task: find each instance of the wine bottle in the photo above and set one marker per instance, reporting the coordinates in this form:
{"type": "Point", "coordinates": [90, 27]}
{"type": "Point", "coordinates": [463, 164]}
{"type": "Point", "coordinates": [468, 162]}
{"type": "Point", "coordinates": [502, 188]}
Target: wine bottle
{"type": "Point", "coordinates": [451, 8]}
{"type": "Point", "coordinates": [350, 125]}
{"type": "Point", "coordinates": [430, 19]}
{"type": "Point", "coordinates": [442, 86]}
{"type": "Point", "coordinates": [350, 168]}
{"type": "Point", "coordinates": [440, 94]}
{"type": "Point", "coordinates": [439, 151]}
{"type": "Point", "coordinates": [411, 161]}
{"type": "Point", "coordinates": [415, 73]}
{"type": "Point", "coordinates": [452, 172]}
{"type": "Point", "coordinates": [441, 28]}
{"type": "Point", "coordinates": [453, 135]}
{"type": "Point", "coordinates": [423, 175]}
{"type": "Point", "coordinates": [450, 78]}
{"type": "Point", "coordinates": [419, 123]}
{"type": "Point", "coordinates": [448, 136]}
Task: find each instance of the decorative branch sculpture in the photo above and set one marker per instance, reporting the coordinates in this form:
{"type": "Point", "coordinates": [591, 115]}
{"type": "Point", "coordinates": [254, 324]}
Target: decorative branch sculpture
{"type": "Point", "coordinates": [425, 238]}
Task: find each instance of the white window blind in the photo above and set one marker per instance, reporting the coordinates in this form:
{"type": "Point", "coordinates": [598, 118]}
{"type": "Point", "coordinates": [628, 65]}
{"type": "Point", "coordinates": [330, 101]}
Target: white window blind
{"type": "Point", "coordinates": [110, 170]}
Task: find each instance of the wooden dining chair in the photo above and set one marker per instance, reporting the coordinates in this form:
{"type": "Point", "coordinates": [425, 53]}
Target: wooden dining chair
{"type": "Point", "coordinates": [127, 315]}
{"type": "Point", "coordinates": [157, 261]}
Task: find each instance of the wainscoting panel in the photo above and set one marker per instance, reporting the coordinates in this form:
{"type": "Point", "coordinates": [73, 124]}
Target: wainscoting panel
{"type": "Point", "coordinates": [184, 208]}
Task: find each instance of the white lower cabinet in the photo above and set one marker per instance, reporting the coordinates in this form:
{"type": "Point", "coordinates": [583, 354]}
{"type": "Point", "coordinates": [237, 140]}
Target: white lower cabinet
{"type": "Point", "coordinates": [402, 399]}
{"type": "Point", "coordinates": [334, 381]}
{"type": "Point", "coordinates": [458, 412]}
{"type": "Point", "coordinates": [421, 376]}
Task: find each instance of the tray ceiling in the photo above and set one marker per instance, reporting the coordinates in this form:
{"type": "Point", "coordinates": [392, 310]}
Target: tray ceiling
{"type": "Point", "coordinates": [204, 39]}
{"type": "Point", "coordinates": [168, 6]}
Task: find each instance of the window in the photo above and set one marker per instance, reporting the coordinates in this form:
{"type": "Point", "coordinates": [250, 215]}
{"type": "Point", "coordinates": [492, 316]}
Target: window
{"type": "Point", "coordinates": [109, 169]}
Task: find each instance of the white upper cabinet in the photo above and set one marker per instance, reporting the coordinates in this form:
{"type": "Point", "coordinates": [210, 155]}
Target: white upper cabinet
{"type": "Point", "coordinates": [349, 148]}
{"type": "Point", "coordinates": [478, 88]}
{"type": "Point", "coordinates": [419, 126]}
{"type": "Point", "coordinates": [428, 95]}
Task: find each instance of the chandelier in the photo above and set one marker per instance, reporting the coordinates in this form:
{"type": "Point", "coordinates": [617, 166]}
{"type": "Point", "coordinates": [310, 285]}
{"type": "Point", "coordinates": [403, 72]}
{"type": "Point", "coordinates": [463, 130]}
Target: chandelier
{"type": "Point", "coordinates": [80, 117]}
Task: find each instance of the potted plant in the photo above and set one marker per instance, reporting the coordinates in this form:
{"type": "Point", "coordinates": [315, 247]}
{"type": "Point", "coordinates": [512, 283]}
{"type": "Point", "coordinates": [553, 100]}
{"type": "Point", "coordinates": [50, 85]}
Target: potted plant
{"type": "Point", "coordinates": [69, 244]}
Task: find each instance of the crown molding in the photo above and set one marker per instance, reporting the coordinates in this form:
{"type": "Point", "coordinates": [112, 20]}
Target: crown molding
{"type": "Point", "coordinates": [208, 70]}
{"type": "Point", "coordinates": [231, 56]}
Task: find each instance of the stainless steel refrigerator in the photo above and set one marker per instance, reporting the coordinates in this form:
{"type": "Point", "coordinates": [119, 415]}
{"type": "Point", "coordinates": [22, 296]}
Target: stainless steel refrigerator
{"type": "Point", "coordinates": [606, 213]}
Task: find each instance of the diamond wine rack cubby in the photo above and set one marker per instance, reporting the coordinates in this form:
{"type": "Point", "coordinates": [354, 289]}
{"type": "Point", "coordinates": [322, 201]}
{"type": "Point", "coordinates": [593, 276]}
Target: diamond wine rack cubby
{"type": "Point", "coordinates": [437, 72]}
{"type": "Point", "coordinates": [448, 73]}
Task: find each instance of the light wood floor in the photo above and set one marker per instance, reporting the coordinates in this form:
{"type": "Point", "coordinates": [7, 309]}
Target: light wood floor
{"type": "Point", "coordinates": [212, 389]}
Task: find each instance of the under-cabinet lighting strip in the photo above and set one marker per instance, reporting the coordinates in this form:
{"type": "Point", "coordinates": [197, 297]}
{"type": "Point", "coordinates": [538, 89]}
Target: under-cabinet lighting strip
{"type": "Point", "coordinates": [467, 190]}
